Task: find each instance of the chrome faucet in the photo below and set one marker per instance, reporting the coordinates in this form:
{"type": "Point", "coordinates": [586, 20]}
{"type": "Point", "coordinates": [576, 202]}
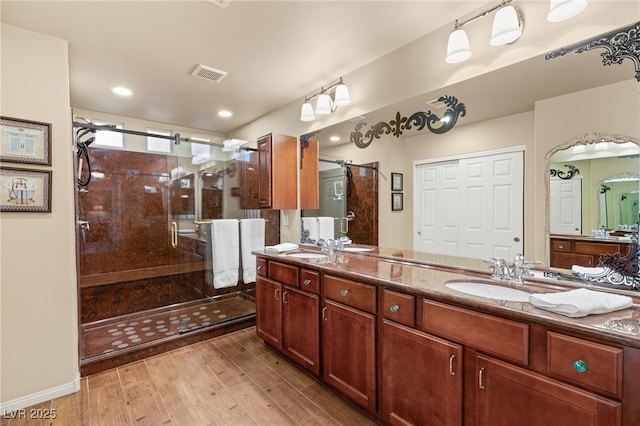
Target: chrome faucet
{"type": "Point", "coordinates": [513, 272]}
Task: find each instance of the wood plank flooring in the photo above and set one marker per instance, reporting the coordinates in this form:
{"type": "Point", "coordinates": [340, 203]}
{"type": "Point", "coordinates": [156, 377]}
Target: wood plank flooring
{"type": "Point", "coordinates": [229, 380]}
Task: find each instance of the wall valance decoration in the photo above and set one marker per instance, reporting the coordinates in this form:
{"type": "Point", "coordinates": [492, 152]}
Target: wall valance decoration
{"type": "Point", "coordinates": [619, 44]}
{"type": "Point", "coordinates": [418, 120]}
{"type": "Point", "coordinates": [573, 170]}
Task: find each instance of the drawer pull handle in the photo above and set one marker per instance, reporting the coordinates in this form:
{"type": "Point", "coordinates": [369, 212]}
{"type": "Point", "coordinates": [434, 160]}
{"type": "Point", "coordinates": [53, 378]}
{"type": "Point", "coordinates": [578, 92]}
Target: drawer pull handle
{"type": "Point", "coordinates": [324, 311]}
{"type": "Point", "coordinates": [306, 282]}
{"type": "Point", "coordinates": [480, 378]}
{"type": "Point", "coordinates": [258, 267]}
{"type": "Point", "coordinates": [580, 366]}
{"type": "Point", "coordinates": [394, 308]}
{"type": "Point", "coordinates": [344, 292]}
{"type": "Point", "coordinates": [451, 372]}
{"type": "Point", "coordinates": [284, 297]}
{"type": "Point", "coordinates": [276, 293]}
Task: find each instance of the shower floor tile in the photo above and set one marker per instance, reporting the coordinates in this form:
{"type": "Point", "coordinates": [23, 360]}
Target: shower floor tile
{"type": "Point", "coordinates": [120, 334]}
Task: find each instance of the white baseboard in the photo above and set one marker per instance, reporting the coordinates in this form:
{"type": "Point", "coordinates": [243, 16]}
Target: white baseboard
{"type": "Point", "coordinates": [38, 397]}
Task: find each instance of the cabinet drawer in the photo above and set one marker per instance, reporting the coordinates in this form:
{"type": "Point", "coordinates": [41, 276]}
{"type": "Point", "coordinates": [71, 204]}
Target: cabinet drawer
{"type": "Point", "coordinates": [588, 247]}
{"type": "Point", "coordinates": [399, 307]}
{"type": "Point", "coordinates": [593, 365]}
{"type": "Point", "coordinates": [561, 245]}
{"type": "Point", "coordinates": [310, 281]}
{"type": "Point", "coordinates": [357, 295]}
{"type": "Point", "coordinates": [283, 273]}
{"type": "Point", "coordinates": [498, 336]}
{"type": "Point", "coordinates": [261, 267]}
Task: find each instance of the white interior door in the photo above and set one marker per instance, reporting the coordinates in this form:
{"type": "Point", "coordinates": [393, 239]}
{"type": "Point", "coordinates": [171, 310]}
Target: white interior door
{"type": "Point", "coordinates": [565, 206]}
{"type": "Point", "coordinates": [471, 207]}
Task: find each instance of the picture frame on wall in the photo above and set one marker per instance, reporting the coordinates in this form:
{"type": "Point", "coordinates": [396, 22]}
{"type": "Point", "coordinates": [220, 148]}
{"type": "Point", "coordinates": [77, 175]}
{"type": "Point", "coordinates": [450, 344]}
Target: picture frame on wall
{"type": "Point", "coordinates": [396, 201]}
{"type": "Point", "coordinates": [25, 141]}
{"type": "Point", "coordinates": [396, 181]}
{"type": "Point", "coordinates": [25, 190]}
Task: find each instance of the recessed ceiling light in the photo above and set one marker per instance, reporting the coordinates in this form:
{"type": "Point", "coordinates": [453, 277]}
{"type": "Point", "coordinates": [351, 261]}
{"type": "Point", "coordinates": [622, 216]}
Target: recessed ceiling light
{"type": "Point", "coordinates": [334, 138]}
{"type": "Point", "coordinates": [122, 91]}
{"type": "Point", "coordinates": [225, 114]}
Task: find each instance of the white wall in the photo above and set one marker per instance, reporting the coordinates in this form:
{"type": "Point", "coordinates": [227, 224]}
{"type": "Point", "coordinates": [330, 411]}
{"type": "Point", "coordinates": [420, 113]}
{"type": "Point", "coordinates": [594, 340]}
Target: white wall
{"type": "Point", "coordinates": [38, 316]}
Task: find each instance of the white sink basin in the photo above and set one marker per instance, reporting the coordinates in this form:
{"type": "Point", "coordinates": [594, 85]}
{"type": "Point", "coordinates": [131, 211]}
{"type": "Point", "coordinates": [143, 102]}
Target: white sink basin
{"type": "Point", "coordinates": [490, 291]}
{"type": "Point", "coordinates": [307, 255]}
{"type": "Point", "coordinates": [357, 249]}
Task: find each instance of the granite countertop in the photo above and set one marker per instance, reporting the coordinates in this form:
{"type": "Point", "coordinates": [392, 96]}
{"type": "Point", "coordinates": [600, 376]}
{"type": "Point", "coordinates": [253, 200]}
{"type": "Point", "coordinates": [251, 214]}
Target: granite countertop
{"type": "Point", "coordinates": [425, 274]}
{"type": "Point", "coordinates": [612, 239]}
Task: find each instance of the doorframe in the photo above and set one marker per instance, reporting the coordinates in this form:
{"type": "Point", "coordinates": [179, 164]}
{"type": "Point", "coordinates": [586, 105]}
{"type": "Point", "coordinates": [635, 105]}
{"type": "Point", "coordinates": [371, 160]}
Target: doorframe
{"type": "Point", "coordinates": [464, 156]}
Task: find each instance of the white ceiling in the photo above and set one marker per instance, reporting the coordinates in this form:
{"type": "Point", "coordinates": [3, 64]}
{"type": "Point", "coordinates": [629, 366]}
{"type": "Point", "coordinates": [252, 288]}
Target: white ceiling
{"type": "Point", "coordinates": [274, 52]}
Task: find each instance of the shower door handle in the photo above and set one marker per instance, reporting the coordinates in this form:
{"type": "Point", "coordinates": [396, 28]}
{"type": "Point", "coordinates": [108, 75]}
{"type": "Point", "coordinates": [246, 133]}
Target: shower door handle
{"type": "Point", "coordinates": [174, 235]}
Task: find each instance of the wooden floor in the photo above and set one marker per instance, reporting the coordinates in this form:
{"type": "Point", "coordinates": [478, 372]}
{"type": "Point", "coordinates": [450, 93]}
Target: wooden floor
{"type": "Point", "coordinates": [229, 380]}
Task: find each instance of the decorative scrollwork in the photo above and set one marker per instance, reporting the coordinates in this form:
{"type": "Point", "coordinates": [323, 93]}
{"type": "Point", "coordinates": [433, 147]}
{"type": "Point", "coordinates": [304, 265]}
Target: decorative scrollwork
{"type": "Point", "coordinates": [573, 170]}
{"type": "Point", "coordinates": [619, 44]}
{"type": "Point", "coordinates": [418, 120]}
{"type": "Point", "coordinates": [617, 270]}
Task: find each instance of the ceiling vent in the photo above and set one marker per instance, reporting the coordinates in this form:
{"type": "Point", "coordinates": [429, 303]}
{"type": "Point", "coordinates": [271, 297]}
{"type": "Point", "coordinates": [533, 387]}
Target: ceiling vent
{"type": "Point", "coordinates": [207, 73]}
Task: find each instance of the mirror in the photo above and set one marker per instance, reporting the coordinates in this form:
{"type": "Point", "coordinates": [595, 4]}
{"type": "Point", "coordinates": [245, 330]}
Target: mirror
{"type": "Point", "coordinates": [497, 119]}
{"type": "Point", "coordinates": [593, 186]}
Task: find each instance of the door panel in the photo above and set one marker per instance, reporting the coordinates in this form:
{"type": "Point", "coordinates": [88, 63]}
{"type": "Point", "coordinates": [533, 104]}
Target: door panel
{"type": "Point", "coordinates": [473, 207]}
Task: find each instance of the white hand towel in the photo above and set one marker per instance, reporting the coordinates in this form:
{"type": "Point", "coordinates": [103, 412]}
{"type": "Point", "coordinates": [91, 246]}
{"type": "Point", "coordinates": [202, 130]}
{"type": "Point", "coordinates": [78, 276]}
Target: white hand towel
{"type": "Point", "coordinates": [280, 248]}
{"type": "Point", "coordinates": [325, 228]}
{"type": "Point", "coordinates": [580, 302]}
{"type": "Point", "coordinates": [310, 224]}
{"type": "Point", "coordinates": [251, 239]}
{"type": "Point", "coordinates": [225, 252]}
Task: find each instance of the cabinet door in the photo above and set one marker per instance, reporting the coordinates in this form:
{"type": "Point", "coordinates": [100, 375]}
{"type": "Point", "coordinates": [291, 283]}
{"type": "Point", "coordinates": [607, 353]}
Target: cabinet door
{"type": "Point", "coordinates": [301, 328]}
{"type": "Point", "coordinates": [264, 171]}
{"type": "Point", "coordinates": [508, 395]}
{"type": "Point", "coordinates": [421, 378]}
{"type": "Point", "coordinates": [269, 311]}
{"type": "Point", "coordinates": [349, 353]}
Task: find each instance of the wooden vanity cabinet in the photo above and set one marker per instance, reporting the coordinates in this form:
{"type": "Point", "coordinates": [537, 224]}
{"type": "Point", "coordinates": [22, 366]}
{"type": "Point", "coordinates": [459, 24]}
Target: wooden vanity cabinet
{"type": "Point", "coordinates": [508, 395]}
{"type": "Point", "coordinates": [277, 172]}
{"type": "Point", "coordinates": [421, 378]}
{"type": "Point", "coordinates": [349, 339]}
{"type": "Point", "coordinates": [566, 252]}
{"type": "Point", "coordinates": [287, 318]}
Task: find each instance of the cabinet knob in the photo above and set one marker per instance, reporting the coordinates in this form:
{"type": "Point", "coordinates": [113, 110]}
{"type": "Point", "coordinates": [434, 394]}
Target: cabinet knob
{"type": "Point", "coordinates": [560, 246]}
{"type": "Point", "coordinates": [258, 267]}
{"type": "Point", "coordinates": [306, 282]}
{"type": "Point", "coordinates": [394, 308]}
{"type": "Point", "coordinates": [580, 366]}
{"type": "Point", "coordinates": [344, 292]}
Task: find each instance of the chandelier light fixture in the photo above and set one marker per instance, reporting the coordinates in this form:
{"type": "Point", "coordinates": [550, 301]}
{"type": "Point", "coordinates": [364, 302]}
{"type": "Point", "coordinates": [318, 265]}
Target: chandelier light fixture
{"type": "Point", "coordinates": [508, 24]}
{"type": "Point", "coordinates": [325, 104]}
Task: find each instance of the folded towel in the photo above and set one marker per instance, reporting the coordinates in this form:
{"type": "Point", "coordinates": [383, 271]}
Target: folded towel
{"type": "Point", "coordinates": [310, 224]}
{"type": "Point", "coordinates": [583, 270]}
{"type": "Point", "coordinates": [580, 302]}
{"type": "Point", "coordinates": [279, 248]}
{"type": "Point", "coordinates": [251, 239]}
{"type": "Point", "coordinates": [225, 252]}
{"type": "Point", "coordinates": [325, 228]}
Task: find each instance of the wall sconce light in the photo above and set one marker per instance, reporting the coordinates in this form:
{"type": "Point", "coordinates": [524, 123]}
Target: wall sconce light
{"type": "Point", "coordinates": [508, 24]}
{"type": "Point", "coordinates": [561, 10]}
{"type": "Point", "coordinates": [325, 104]}
{"type": "Point", "coordinates": [507, 28]}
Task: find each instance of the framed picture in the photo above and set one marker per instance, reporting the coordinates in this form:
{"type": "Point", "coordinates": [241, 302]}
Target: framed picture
{"type": "Point", "coordinates": [23, 141]}
{"type": "Point", "coordinates": [25, 190]}
{"type": "Point", "coordinates": [396, 201]}
{"type": "Point", "coordinates": [396, 181]}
